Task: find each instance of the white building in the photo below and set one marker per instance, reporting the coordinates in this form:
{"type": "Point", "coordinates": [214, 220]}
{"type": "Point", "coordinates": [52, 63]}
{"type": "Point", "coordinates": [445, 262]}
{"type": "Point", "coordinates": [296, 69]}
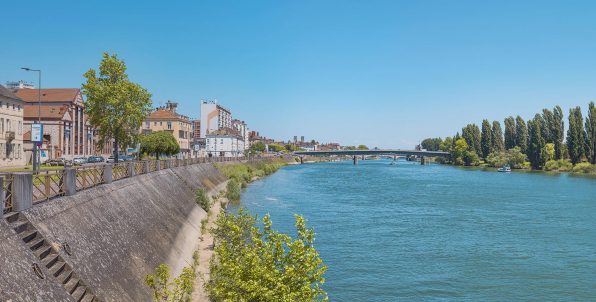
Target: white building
{"type": "Point", "coordinates": [213, 117]}
{"type": "Point", "coordinates": [242, 129]}
{"type": "Point", "coordinates": [224, 142]}
{"type": "Point", "coordinates": [19, 85]}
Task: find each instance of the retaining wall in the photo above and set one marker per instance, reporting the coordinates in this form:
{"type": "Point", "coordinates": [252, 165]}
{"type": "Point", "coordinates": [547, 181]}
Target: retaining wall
{"type": "Point", "coordinates": [118, 233]}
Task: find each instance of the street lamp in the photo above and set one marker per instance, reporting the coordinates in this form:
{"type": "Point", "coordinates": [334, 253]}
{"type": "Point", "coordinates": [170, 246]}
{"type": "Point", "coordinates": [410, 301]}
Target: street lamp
{"type": "Point", "coordinates": [36, 160]}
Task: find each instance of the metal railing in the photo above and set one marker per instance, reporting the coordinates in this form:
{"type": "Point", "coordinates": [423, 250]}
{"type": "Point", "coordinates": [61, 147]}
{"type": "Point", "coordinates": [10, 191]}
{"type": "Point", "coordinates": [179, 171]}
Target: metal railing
{"type": "Point", "coordinates": [120, 171]}
{"type": "Point", "coordinates": [139, 168]}
{"type": "Point", "coordinates": [47, 184]}
{"type": "Point", "coordinates": [8, 181]}
{"type": "Point", "coordinates": [90, 176]}
{"type": "Point", "coordinates": [152, 165]}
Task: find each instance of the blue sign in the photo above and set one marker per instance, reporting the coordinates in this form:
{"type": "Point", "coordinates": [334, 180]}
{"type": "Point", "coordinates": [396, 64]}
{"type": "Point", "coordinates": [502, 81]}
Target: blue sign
{"type": "Point", "coordinates": [43, 153]}
{"type": "Point", "coordinates": [89, 135]}
{"type": "Point", "coordinates": [67, 131]}
{"type": "Point", "coordinates": [36, 132]}
{"type": "Point", "coordinates": [39, 144]}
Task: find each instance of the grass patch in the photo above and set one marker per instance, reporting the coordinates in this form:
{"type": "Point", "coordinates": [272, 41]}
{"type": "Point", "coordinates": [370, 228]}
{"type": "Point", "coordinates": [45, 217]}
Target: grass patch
{"type": "Point", "coordinates": [204, 225]}
{"type": "Point", "coordinates": [202, 199]}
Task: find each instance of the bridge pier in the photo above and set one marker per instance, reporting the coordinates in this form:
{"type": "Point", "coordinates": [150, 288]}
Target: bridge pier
{"type": "Point", "coordinates": [423, 160]}
{"type": "Point", "coordinates": [301, 162]}
{"type": "Point", "coordinates": [355, 160]}
{"type": "Point", "coordinates": [394, 157]}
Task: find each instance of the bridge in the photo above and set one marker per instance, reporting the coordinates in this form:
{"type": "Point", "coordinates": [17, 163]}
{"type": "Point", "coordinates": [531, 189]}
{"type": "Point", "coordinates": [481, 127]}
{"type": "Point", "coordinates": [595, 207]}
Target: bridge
{"type": "Point", "coordinates": [356, 153]}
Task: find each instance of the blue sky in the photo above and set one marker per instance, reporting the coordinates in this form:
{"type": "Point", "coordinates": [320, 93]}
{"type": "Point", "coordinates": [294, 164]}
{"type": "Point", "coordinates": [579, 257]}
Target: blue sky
{"type": "Point", "coordinates": [382, 73]}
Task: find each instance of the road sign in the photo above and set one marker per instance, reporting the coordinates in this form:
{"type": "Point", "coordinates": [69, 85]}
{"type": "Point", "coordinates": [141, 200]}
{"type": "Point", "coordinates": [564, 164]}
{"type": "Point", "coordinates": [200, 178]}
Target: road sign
{"type": "Point", "coordinates": [36, 132]}
{"type": "Point", "coordinates": [39, 144]}
{"type": "Point", "coordinates": [188, 150]}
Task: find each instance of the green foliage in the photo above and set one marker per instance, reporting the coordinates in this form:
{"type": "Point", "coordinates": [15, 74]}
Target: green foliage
{"type": "Point", "coordinates": [258, 146]}
{"type": "Point", "coordinates": [550, 151]}
{"type": "Point", "coordinates": [362, 147]}
{"type": "Point", "coordinates": [559, 165]}
{"type": "Point", "coordinates": [591, 133]}
{"type": "Point", "coordinates": [496, 159]}
{"type": "Point", "coordinates": [486, 140]}
{"type": "Point", "coordinates": [584, 168]}
{"type": "Point", "coordinates": [243, 184]}
{"type": "Point", "coordinates": [160, 142]}
{"type": "Point", "coordinates": [293, 148]}
{"type": "Point", "coordinates": [471, 158]}
{"type": "Point", "coordinates": [471, 133]}
{"type": "Point", "coordinates": [163, 290]}
{"type": "Point", "coordinates": [255, 265]}
{"type": "Point", "coordinates": [276, 148]}
{"type": "Point", "coordinates": [509, 133]}
{"type": "Point", "coordinates": [459, 152]}
{"type": "Point", "coordinates": [432, 144]}
{"type": "Point", "coordinates": [233, 193]}
{"type": "Point", "coordinates": [498, 144]}
{"type": "Point", "coordinates": [204, 225]}
{"type": "Point", "coordinates": [446, 145]}
{"type": "Point", "coordinates": [557, 132]}
{"type": "Point", "coordinates": [575, 135]}
{"type": "Point", "coordinates": [116, 106]}
{"type": "Point", "coordinates": [515, 158]}
{"type": "Point", "coordinates": [536, 145]}
{"type": "Point", "coordinates": [202, 199]}
{"type": "Point", "coordinates": [521, 134]}
{"type": "Point", "coordinates": [247, 171]}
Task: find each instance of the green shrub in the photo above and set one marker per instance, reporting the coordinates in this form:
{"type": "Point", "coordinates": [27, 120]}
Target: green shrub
{"type": "Point", "coordinates": [202, 199]}
{"type": "Point", "coordinates": [233, 193]}
{"type": "Point", "coordinates": [558, 165]}
{"type": "Point", "coordinates": [584, 168]}
{"type": "Point", "coordinates": [244, 185]}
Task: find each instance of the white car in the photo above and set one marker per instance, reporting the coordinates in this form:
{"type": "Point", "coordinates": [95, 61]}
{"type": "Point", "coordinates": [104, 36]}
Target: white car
{"type": "Point", "coordinates": [78, 161]}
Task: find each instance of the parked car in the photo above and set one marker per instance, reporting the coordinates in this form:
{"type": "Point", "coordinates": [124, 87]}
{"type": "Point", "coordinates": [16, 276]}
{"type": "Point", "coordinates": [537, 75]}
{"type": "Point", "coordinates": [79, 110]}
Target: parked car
{"type": "Point", "coordinates": [99, 159]}
{"type": "Point", "coordinates": [110, 159]}
{"type": "Point", "coordinates": [91, 159]}
{"type": "Point", "coordinates": [79, 161]}
{"type": "Point", "coordinates": [60, 161]}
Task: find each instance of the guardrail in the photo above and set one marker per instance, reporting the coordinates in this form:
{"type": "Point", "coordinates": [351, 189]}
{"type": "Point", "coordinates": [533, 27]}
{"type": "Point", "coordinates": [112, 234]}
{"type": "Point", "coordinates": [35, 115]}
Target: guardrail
{"type": "Point", "coordinates": [88, 177]}
{"type": "Point", "coordinates": [46, 184]}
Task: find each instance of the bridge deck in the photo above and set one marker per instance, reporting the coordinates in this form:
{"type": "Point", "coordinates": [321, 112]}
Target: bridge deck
{"type": "Point", "coordinates": [374, 152]}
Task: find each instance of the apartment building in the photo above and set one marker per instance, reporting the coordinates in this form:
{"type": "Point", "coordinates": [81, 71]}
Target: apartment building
{"type": "Point", "coordinates": [19, 85]}
{"type": "Point", "coordinates": [214, 117]}
{"type": "Point", "coordinates": [224, 142]}
{"type": "Point", "coordinates": [242, 130]}
{"type": "Point", "coordinates": [11, 129]}
{"type": "Point", "coordinates": [66, 129]}
{"type": "Point", "coordinates": [166, 119]}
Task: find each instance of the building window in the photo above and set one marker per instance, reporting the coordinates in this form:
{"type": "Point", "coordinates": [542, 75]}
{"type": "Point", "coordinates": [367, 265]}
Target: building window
{"type": "Point", "coordinates": [169, 125]}
{"type": "Point", "coordinates": [14, 106]}
{"type": "Point", "coordinates": [161, 123]}
{"type": "Point", "coordinates": [147, 125]}
{"type": "Point", "coordinates": [222, 141]}
{"type": "Point", "coordinates": [20, 128]}
{"type": "Point", "coordinates": [7, 105]}
{"type": "Point", "coordinates": [7, 125]}
{"type": "Point", "coordinates": [154, 123]}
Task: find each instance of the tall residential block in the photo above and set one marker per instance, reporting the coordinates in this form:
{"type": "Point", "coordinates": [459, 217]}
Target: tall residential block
{"type": "Point", "coordinates": [214, 117]}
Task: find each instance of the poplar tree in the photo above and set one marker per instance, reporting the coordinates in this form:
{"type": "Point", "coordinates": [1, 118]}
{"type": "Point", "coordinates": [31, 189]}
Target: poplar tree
{"type": "Point", "coordinates": [116, 106]}
{"type": "Point", "coordinates": [521, 134]}
{"type": "Point", "coordinates": [557, 131]}
{"type": "Point", "coordinates": [575, 135]}
{"type": "Point", "coordinates": [509, 133]}
{"type": "Point", "coordinates": [546, 120]}
{"type": "Point", "coordinates": [486, 141]}
{"type": "Point", "coordinates": [591, 133]}
{"type": "Point", "coordinates": [497, 137]}
{"type": "Point", "coordinates": [536, 145]}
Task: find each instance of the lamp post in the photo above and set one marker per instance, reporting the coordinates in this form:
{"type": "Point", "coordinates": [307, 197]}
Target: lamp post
{"type": "Point", "coordinates": [36, 160]}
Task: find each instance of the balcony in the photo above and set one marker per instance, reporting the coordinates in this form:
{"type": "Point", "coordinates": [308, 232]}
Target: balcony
{"type": "Point", "coordinates": [9, 135]}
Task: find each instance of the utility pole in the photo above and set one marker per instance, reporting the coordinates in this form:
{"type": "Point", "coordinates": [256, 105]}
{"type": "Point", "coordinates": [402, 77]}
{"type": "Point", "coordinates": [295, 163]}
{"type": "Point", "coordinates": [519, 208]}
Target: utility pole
{"type": "Point", "coordinates": [36, 153]}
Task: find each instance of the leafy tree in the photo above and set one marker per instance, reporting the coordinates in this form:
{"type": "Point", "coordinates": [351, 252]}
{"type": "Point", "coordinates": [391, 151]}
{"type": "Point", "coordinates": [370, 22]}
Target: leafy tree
{"type": "Point", "coordinates": [550, 151]}
{"type": "Point", "coordinates": [432, 144]}
{"type": "Point", "coordinates": [536, 145]}
{"type": "Point", "coordinates": [521, 134]}
{"type": "Point", "coordinates": [202, 199]}
{"type": "Point", "coordinates": [313, 142]}
{"type": "Point", "coordinates": [258, 146]}
{"type": "Point", "coordinates": [591, 133]}
{"type": "Point", "coordinates": [509, 132]}
{"type": "Point", "coordinates": [276, 148]}
{"type": "Point", "coordinates": [160, 143]}
{"type": "Point", "coordinates": [446, 145]}
{"type": "Point", "coordinates": [362, 147]}
{"type": "Point", "coordinates": [459, 152]}
{"type": "Point", "coordinates": [546, 120]}
{"type": "Point", "coordinates": [486, 140]}
{"type": "Point", "coordinates": [471, 133]}
{"type": "Point", "coordinates": [515, 158]}
{"type": "Point", "coordinates": [471, 158]}
{"type": "Point", "coordinates": [575, 135]}
{"type": "Point", "coordinates": [497, 137]}
{"type": "Point", "coordinates": [557, 132]}
{"type": "Point", "coordinates": [496, 159]}
{"type": "Point", "coordinates": [255, 265]}
{"type": "Point", "coordinates": [180, 290]}
{"type": "Point", "coordinates": [115, 105]}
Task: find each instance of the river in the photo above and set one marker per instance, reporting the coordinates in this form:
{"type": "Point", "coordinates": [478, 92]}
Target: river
{"type": "Point", "coordinates": [407, 232]}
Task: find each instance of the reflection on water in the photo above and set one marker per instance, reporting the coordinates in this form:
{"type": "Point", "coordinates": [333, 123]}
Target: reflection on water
{"type": "Point", "coordinates": [410, 232]}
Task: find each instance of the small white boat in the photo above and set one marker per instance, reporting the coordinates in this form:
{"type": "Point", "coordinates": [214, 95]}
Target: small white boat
{"type": "Point", "coordinates": [506, 168]}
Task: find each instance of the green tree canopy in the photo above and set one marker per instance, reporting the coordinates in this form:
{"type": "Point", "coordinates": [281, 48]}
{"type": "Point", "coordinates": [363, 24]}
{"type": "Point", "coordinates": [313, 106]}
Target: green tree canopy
{"type": "Point", "coordinates": [575, 135]}
{"type": "Point", "coordinates": [557, 131]}
{"type": "Point", "coordinates": [116, 106]}
{"type": "Point", "coordinates": [591, 133]}
{"type": "Point", "coordinates": [536, 145]}
{"type": "Point", "coordinates": [497, 137]}
{"type": "Point", "coordinates": [362, 147]}
{"type": "Point", "coordinates": [276, 148]}
{"type": "Point", "coordinates": [486, 140]}
{"type": "Point", "coordinates": [258, 146]}
{"type": "Point", "coordinates": [471, 133]}
{"type": "Point", "coordinates": [521, 134]}
{"type": "Point", "coordinates": [515, 158]}
{"type": "Point", "coordinates": [459, 152]}
{"type": "Point", "coordinates": [255, 265]}
{"type": "Point", "coordinates": [509, 132]}
{"type": "Point", "coordinates": [432, 144]}
{"type": "Point", "coordinates": [160, 143]}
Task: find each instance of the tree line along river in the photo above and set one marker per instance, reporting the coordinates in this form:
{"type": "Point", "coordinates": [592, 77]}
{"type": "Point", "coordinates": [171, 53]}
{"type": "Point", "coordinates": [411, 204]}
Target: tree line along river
{"type": "Point", "coordinates": [418, 233]}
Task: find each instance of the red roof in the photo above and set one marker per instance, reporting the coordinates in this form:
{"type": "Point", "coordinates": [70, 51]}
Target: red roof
{"type": "Point", "coordinates": [49, 95]}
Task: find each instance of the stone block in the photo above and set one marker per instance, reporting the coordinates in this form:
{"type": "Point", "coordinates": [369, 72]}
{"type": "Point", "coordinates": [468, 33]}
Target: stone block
{"type": "Point", "coordinates": [70, 182]}
{"type": "Point", "coordinates": [22, 191]}
{"type": "Point", "coordinates": [107, 174]}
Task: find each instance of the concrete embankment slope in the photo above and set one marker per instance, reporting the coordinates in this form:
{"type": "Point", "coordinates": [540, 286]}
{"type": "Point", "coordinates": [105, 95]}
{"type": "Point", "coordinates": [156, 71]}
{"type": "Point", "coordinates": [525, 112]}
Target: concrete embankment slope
{"type": "Point", "coordinates": [118, 233]}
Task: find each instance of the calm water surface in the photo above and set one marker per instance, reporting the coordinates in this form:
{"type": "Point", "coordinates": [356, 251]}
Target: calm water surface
{"type": "Point", "coordinates": [440, 233]}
